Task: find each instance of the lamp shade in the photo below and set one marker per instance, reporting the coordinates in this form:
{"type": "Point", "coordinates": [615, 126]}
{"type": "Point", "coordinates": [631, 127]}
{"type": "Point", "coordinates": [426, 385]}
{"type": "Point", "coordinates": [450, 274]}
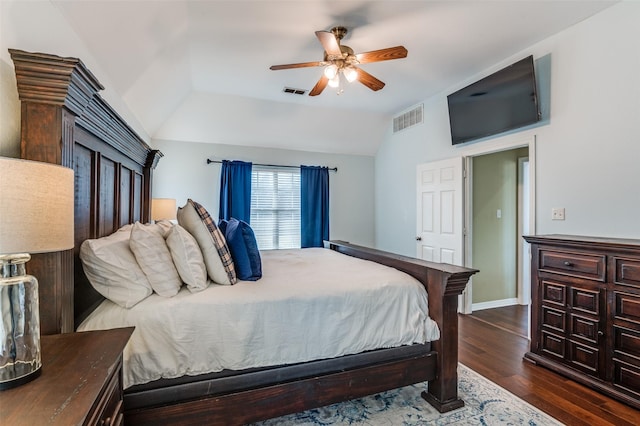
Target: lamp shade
{"type": "Point", "coordinates": [36, 207]}
{"type": "Point", "coordinates": [36, 216]}
{"type": "Point", "coordinates": [163, 208]}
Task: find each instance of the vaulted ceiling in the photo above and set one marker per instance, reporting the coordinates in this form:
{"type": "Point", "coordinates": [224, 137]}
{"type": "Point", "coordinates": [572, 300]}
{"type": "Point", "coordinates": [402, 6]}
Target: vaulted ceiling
{"type": "Point", "coordinates": [199, 70]}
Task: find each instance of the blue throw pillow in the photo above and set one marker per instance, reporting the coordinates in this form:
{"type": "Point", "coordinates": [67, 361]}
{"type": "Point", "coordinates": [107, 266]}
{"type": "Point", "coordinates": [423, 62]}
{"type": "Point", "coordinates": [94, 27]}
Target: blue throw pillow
{"type": "Point", "coordinates": [244, 250]}
{"type": "Point", "coordinates": [222, 226]}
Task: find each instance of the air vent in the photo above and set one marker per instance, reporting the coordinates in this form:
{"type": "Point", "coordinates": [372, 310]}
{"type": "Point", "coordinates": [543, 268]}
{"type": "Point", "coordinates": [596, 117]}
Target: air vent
{"type": "Point", "coordinates": [408, 119]}
{"type": "Point", "coordinates": [294, 91]}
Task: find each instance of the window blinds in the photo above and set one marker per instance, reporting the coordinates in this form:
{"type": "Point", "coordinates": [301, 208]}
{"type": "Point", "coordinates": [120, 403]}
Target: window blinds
{"type": "Point", "coordinates": [275, 207]}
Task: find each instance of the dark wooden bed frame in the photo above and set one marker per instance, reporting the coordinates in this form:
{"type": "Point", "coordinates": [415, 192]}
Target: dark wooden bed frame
{"type": "Point", "coordinates": [65, 121]}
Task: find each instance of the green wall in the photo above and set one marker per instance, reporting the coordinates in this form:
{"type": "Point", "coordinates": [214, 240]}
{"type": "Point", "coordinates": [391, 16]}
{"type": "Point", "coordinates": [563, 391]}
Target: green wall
{"type": "Point", "coordinates": [495, 240]}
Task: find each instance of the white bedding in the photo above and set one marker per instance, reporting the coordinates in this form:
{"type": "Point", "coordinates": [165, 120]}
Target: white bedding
{"type": "Point", "coordinates": [310, 304]}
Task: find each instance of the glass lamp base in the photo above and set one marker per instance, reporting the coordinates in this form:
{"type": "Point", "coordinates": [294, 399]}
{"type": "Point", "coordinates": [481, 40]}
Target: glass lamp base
{"type": "Point", "coordinates": [20, 359]}
{"type": "Point", "coordinates": [19, 381]}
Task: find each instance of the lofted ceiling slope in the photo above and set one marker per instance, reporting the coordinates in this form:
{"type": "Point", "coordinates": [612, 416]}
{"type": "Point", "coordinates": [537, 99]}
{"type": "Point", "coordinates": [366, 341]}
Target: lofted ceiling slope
{"type": "Point", "coordinates": [199, 70]}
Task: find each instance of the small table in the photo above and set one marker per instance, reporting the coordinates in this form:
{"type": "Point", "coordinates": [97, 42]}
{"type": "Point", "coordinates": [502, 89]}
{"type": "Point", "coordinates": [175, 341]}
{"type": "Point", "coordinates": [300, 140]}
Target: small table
{"type": "Point", "coordinates": [80, 384]}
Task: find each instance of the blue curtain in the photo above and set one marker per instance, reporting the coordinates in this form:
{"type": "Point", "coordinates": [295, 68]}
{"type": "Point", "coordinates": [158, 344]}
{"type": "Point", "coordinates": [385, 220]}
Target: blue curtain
{"type": "Point", "coordinates": [314, 205]}
{"type": "Point", "coordinates": [235, 190]}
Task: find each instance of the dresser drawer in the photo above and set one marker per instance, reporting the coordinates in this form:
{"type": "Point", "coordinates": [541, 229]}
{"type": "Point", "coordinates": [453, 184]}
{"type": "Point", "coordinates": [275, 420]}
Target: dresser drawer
{"type": "Point", "coordinates": [553, 292]}
{"type": "Point", "coordinates": [554, 318]}
{"type": "Point", "coordinates": [553, 345]}
{"type": "Point", "coordinates": [584, 357]}
{"type": "Point", "coordinates": [585, 300]}
{"type": "Point", "coordinates": [627, 272]}
{"type": "Point", "coordinates": [626, 307]}
{"type": "Point", "coordinates": [585, 328]}
{"type": "Point", "coordinates": [109, 409]}
{"type": "Point", "coordinates": [626, 344]}
{"type": "Point", "coordinates": [581, 265]}
{"type": "Point", "coordinates": [626, 377]}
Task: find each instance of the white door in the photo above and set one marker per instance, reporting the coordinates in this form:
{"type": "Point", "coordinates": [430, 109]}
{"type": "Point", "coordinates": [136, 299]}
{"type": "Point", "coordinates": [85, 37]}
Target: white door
{"type": "Point", "coordinates": [440, 216]}
{"type": "Point", "coordinates": [440, 233]}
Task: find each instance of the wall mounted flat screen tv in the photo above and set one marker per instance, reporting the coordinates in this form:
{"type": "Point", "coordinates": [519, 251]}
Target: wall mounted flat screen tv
{"type": "Point", "coordinates": [502, 101]}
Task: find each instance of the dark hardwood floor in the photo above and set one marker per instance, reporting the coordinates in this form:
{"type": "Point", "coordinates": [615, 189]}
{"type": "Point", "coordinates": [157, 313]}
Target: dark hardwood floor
{"type": "Point", "coordinates": [492, 343]}
{"type": "Point", "coordinates": [514, 319]}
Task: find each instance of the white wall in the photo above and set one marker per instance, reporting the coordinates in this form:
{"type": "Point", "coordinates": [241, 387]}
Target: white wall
{"type": "Point", "coordinates": [238, 120]}
{"type": "Point", "coordinates": [587, 154]}
{"type": "Point", "coordinates": [38, 26]}
{"type": "Point", "coordinates": [183, 173]}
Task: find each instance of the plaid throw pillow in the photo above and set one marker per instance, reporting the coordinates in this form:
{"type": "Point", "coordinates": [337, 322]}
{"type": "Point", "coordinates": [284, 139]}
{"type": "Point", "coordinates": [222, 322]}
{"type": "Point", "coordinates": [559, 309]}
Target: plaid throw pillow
{"type": "Point", "coordinates": [218, 241]}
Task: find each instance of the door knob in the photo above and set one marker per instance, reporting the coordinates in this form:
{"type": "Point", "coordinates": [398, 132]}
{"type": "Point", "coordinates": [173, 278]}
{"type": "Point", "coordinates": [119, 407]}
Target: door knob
{"type": "Point", "coordinates": [418, 238]}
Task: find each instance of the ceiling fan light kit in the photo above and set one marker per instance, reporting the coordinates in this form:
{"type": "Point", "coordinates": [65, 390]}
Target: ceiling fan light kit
{"type": "Point", "coordinates": [341, 59]}
{"type": "Point", "coordinates": [335, 81]}
{"type": "Point", "coordinates": [331, 71]}
{"type": "Point", "coordinates": [350, 74]}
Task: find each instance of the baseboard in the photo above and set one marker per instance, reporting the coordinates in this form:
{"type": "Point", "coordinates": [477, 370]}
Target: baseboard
{"type": "Point", "coordinates": [494, 304]}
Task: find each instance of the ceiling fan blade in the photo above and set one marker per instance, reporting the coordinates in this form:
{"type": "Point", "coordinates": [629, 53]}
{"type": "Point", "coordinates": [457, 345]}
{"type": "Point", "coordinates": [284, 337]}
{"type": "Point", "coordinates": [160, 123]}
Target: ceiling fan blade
{"type": "Point", "coordinates": [329, 43]}
{"type": "Point", "coordinates": [368, 80]}
{"type": "Point", "coordinates": [300, 65]}
{"type": "Point", "coordinates": [319, 87]}
{"type": "Point", "coordinates": [397, 52]}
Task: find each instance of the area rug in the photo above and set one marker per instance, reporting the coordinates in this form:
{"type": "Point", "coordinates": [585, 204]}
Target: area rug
{"type": "Point", "coordinates": [485, 404]}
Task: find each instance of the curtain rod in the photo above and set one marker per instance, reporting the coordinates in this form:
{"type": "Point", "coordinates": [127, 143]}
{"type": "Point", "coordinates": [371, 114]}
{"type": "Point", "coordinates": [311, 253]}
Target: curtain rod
{"type": "Point", "coordinates": [209, 161]}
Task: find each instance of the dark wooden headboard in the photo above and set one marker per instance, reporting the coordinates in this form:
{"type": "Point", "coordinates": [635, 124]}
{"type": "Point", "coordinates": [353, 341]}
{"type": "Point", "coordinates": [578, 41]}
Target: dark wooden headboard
{"type": "Point", "coordinates": [65, 121]}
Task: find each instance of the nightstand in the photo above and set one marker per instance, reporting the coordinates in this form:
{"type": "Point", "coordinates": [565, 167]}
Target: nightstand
{"type": "Point", "coordinates": [81, 382]}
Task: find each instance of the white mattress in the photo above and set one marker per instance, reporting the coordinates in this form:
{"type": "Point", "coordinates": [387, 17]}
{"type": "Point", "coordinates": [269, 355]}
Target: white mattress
{"type": "Point", "coordinates": [310, 304]}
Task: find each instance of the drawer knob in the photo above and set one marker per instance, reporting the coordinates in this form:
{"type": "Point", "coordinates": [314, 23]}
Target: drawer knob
{"type": "Point", "coordinates": [600, 333]}
{"type": "Point", "coordinates": [567, 263]}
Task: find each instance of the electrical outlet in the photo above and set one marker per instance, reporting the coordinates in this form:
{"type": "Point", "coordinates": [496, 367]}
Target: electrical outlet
{"type": "Point", "coordinates": [557, 213]}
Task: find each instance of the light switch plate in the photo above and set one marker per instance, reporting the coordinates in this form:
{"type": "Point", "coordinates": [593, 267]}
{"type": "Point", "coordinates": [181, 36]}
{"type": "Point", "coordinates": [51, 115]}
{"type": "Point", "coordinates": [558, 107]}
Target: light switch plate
{"type": "Point", "coordinates": [557, 213]}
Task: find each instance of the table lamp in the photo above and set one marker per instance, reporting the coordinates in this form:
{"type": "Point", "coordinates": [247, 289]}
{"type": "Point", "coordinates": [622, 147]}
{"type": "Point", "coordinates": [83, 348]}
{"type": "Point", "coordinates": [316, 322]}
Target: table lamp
{"type": "Point", "coordinates": [36, 216]}
{"type": "Point", "coordinates": [163, 208]}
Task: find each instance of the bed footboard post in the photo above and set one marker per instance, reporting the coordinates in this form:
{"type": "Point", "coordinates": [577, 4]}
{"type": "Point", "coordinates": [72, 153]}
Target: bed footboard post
{"type": "Point", "coordinates": [444, 289]}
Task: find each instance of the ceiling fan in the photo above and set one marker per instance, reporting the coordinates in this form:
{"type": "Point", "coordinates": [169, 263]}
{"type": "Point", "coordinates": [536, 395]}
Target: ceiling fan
{"type": "Point", "coordinates": [340, 59]}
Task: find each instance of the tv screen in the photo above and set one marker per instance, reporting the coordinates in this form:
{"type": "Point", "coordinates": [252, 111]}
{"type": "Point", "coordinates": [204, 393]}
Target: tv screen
{"type": "Point", "coordinates": [502, 101]}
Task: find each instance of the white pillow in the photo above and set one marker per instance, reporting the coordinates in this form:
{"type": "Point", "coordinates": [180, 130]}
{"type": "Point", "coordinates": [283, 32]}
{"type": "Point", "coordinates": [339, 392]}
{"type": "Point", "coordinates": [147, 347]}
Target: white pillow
{"type": "Point", "coordinates": [220, 272]}
{"type": "Point", "coordinates": [165, 226]}
{"type": "Point", "coordinates": [112, 269]}
{"type": "Point", "coordinates": [188, 259]}
{"type": "Point", "coordinates": [150, 249]}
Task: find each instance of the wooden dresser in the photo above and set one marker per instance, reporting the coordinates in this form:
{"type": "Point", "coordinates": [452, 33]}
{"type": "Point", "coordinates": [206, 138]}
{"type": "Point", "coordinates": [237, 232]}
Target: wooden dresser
{"type": "Point", "coordinates": [585, 311]}
{"type": "Point", "coordinates": [81, 382]}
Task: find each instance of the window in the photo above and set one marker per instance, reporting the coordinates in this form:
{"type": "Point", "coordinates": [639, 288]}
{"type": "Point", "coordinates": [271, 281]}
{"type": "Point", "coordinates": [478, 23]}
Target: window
{"type": "Point", "coordinates": [275, 207]}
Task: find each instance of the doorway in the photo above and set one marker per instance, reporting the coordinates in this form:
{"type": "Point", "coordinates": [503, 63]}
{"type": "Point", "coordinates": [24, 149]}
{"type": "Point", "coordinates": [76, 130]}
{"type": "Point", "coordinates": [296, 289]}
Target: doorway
{"type": "Point", "coordinates": [523, 150]}
{"type": "Point", "coordinates": [496, 227]}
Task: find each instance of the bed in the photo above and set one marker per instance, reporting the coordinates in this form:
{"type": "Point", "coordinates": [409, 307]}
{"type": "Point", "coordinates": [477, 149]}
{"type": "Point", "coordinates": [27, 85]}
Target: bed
{"type": "Point", "coordinates": [65, 121]}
